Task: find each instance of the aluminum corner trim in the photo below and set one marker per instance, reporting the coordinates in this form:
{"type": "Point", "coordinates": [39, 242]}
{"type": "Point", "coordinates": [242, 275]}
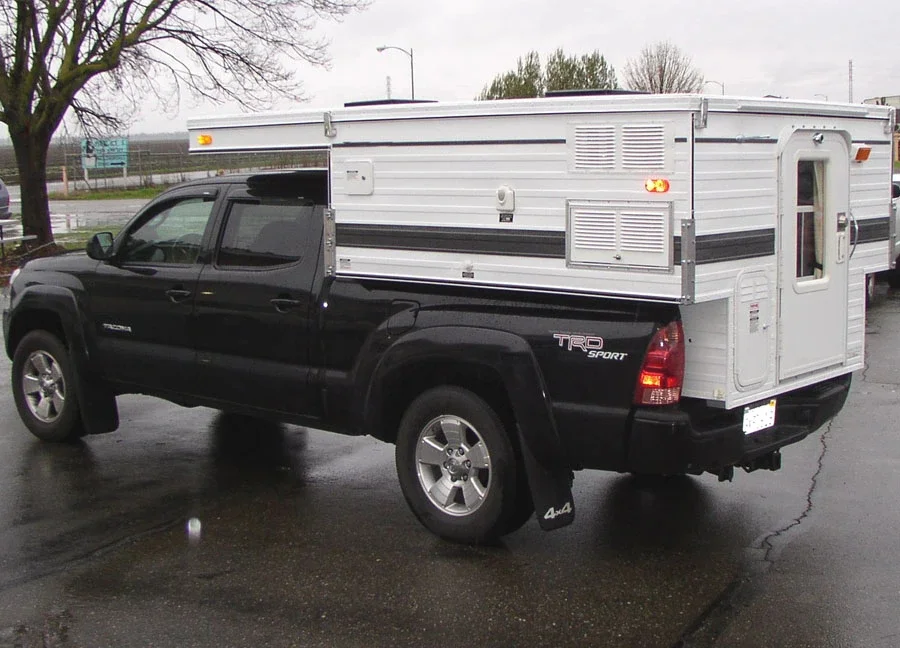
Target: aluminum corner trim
{"type": "Point", "coordinates": [688, 262]}
{"type": "Point", "coordinates": [328, 243]}
{"type": "Point", "coordinates": [330, 130]}
{"type": "Point", "coordinates": [701, 118]}
{"type": "Point", "coordinates": [892, 235]}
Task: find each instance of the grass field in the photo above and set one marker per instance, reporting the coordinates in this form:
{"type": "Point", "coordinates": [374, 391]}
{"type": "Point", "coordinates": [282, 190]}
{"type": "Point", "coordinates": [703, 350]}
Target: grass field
{"type": "Point", "coordinates": [111, 193]}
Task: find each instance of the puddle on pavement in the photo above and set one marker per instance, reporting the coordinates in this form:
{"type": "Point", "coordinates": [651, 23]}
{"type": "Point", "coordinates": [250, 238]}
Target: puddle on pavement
{"type": "Point", "coordinates": [67, 223]}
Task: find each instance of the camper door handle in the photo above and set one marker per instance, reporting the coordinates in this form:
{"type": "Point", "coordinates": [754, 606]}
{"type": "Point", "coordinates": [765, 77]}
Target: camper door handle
{"type": "Point", "coordinates": [855, 233]}
{"type": "Point", "coordinates": [283, 305]}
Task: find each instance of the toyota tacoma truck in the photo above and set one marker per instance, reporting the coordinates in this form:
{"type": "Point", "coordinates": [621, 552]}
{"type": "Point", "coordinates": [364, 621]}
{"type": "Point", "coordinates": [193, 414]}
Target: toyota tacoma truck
{"type": "Point", "coordinates": [215, 294]}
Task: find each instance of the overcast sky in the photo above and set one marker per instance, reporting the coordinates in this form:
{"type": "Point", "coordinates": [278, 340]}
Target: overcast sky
{"type": "Point", "coordinates": [757, 47]}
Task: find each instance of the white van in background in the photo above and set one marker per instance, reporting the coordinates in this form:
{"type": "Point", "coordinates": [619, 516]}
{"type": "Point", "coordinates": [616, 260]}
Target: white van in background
{"type": "Point", "coordinates": [893, 276]}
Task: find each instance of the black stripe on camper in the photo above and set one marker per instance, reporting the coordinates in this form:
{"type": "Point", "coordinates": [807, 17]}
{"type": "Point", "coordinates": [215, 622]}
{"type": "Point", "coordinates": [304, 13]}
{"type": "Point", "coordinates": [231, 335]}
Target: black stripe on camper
{"type": "Point", "coordinates": [528, 243]}
{"type": "Point", "coordinates": [731, 246]}
{"type": "Point", "coordinates": [872, 230]}
{"type": "Point", "coordinates": [710, 248]}
{"type": "Point", "coordinates": [451, 143]}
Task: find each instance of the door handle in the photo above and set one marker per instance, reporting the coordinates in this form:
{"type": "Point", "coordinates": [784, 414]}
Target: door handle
{"type": "Point", "coordinates": [283, 304]}
{"type": "Point", "coordinates": [177, 295]}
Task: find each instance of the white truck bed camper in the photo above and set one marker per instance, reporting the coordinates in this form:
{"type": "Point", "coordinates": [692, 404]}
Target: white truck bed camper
{"type": "Point", "coordinates": [761, 217]}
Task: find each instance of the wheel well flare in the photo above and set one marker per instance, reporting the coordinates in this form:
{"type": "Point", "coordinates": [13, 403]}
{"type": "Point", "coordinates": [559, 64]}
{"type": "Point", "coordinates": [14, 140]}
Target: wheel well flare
{"type": "Point", "coordinates": [34, 320]}
{"type": "Point", "coordinates": [404, 385]}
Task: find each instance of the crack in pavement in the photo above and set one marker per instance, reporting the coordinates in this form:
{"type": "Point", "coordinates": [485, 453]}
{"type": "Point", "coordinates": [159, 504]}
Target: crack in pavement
{"type": "Point", "coordinates": [705, 630]}
{"type": "Point", "coordinates": [768, 542]}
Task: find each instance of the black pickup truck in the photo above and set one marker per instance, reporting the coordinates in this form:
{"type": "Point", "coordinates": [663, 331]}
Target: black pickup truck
{"type": "Point", "coordinates": [215, 294]}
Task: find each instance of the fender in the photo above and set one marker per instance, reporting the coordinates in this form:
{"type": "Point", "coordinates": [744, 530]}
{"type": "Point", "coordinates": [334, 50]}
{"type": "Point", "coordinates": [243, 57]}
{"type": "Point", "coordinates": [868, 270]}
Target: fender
{"type": "Point", "coordinates": [549, 475]}
{"type": "Point", "coordinates": [99, 411]}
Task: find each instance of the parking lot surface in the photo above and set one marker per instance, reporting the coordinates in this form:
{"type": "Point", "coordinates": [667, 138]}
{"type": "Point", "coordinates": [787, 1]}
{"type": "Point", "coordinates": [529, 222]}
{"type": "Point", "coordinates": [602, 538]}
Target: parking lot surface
{"type": "Point", "coordinates": [187, 527]}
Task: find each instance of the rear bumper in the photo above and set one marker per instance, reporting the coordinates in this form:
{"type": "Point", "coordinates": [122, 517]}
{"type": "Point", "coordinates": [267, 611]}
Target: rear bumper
{"type": "Point", "coordinates": [696, 438]}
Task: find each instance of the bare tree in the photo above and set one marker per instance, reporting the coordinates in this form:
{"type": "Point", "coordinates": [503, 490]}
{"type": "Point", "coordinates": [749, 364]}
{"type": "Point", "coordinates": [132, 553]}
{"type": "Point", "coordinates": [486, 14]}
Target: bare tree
{"type": "Point", "coordinates": [105, 59]}
{"type": "Point", "coordinates": [663, 68]}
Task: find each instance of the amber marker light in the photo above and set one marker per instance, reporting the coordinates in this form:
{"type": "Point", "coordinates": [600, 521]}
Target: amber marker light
{"type": "Point", "coordinates": [656, 185]}
{"type": "Point", "coordinates": [651, 380]}
{"type": "Point", "coordinates": [862, 153]}
{"type": "Point", "coordinates": [204, 140]}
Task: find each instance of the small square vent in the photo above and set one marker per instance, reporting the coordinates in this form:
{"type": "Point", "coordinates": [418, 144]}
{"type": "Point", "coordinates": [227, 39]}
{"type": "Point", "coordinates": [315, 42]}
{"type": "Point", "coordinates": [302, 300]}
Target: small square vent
{"type": "Point", "coordinates": [643, 146]}
{"type": "Point", "coordinates": [595, 147]}
{"type": "Point", "coordinates": [628, 234]}
{"type": "Point", "coordinates": [593, 229]}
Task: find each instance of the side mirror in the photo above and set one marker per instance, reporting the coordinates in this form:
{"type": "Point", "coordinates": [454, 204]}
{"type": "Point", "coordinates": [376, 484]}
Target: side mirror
{"type": "Point", "coordinates": [896, 190]}
{"type": "Point", "coordinates": [100, 246]}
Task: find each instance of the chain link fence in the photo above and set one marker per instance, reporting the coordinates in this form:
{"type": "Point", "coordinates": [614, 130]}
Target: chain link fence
{"type": "Point", "coordinates": [151, 162]}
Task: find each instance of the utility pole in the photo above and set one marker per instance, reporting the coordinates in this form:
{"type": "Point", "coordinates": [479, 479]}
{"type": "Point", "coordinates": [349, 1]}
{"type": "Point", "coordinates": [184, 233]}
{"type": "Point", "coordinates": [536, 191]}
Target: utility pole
{"type": "Point", "coordinates": [850, 80]}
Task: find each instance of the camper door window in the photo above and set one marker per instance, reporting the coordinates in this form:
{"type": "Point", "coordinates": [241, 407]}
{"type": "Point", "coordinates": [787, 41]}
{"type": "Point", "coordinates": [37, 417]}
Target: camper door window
{"type": "Point", "coordinates": [810, 220]}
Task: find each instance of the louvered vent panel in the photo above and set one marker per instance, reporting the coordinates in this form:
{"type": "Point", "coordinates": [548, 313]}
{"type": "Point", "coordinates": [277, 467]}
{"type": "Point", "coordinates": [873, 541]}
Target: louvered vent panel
{"type": "Point", "coordinates": [629, 234]}
{"type": "Point", "coordinates": [643, 146]}
{"type": "Point", "coordinates": [643, 232]}
{"type": "Point", "coordinates": [594, 229]}
{"type": "Point", "coordinates": [754, 288]}
{"type": "Point", "coordinates": [595, 148]}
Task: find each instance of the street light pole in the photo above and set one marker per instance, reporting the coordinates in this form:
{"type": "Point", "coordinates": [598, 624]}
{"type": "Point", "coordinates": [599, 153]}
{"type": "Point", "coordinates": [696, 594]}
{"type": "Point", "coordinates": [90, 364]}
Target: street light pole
{"type": "Point", "coordinates": [412, 72]}
{"type": "Point", "coordinates": [718, 83]}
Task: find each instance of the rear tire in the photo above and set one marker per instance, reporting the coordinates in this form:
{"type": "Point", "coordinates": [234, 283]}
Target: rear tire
{"type": "Point", "coordinates": [893, 279]}
{"type": "Point", "coordinates": [870, 289]}
{"type": "Point", "coordinates": [44, 389]}
{"type": "Point", "coordinates": [458, 469]}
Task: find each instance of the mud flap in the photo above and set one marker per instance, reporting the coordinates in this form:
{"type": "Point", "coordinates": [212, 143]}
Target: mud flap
{"type": "Point", "coordinates": [550, 491]}
{"type": "Point", "coordinates": [99, 412]}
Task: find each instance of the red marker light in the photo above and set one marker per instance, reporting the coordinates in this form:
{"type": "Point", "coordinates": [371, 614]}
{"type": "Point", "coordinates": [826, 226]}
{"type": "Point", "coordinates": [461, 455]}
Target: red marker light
{"type": "Point", "coordinates": [656, 185]}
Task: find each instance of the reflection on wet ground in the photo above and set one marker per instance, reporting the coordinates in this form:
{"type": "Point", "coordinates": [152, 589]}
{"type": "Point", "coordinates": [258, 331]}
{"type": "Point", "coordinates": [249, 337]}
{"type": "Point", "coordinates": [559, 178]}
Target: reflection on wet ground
{"type": "Point", "coordinates": [246, 448]}
{"type": "Point", "coordinates": [69, 216]}
{"type": "Point", "coordinates": [302, 538]}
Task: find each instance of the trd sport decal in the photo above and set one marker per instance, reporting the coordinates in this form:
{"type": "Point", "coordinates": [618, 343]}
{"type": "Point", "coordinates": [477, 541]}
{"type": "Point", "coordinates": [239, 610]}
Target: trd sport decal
{"type": "Point", "coordinates": [592, 345]}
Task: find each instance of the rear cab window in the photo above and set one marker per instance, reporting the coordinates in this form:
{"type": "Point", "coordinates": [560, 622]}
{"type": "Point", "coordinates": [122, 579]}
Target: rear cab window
{"type": "Point", "coordinates": [260, 235]}
{"type": "Point", "coordinates": [272, 221]}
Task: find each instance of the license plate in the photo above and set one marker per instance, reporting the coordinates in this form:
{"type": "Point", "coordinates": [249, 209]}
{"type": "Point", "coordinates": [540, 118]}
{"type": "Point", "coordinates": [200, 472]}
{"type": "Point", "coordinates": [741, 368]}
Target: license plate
{"type": "Point", "coordinates": [759, 417]}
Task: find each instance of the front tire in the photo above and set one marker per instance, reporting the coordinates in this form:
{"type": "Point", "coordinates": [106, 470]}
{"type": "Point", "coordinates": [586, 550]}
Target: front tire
{"type": "Point", "coordinates": [458, 469]}
{"type": "Point", "coordinates": [44, 390]}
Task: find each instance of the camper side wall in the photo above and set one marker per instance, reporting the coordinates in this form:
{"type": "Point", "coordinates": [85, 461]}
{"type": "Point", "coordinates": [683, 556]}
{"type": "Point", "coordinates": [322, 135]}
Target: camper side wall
{"type": "Point", "coordinates": [555, 202]}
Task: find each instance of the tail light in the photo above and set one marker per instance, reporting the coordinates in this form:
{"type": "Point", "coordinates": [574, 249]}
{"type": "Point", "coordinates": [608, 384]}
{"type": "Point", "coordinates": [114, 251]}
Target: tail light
{"type": "Point", "coordinates": [662, 373]}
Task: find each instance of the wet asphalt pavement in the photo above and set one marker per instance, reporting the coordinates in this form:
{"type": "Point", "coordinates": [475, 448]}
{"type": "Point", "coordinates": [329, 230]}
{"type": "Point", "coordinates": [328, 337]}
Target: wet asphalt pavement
{"type": "Point", "coordinates": [305, 540]}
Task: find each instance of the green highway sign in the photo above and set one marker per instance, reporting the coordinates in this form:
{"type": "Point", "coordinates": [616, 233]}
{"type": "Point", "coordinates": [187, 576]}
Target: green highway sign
{"type": "Point", "coordinates": [104, 153]}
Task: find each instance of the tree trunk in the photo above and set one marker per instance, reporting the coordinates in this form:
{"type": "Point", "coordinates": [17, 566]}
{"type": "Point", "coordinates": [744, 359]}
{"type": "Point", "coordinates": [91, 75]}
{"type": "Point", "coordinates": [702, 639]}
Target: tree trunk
{"type": "Point", "coordinates": [31, 156]}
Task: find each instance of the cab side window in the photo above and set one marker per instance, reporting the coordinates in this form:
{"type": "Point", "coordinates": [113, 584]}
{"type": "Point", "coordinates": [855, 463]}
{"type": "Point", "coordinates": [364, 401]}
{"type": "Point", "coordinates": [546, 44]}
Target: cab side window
{"type": "Point", "coordinates": [172, 234]}
{"type": "Point", "coordinates": [259, 235]}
